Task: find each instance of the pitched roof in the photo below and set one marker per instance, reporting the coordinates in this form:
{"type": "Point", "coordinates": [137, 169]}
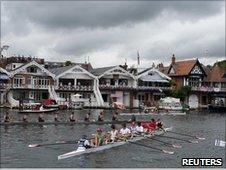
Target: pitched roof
{"type": "Point", "coordinates": [100, 71]}
{"type": "Point", "coordinates": [57, 71]}
{"type": "Point", "coordinates": [182, 68]}
{"type": "Point", "coordinates": [217, 74]}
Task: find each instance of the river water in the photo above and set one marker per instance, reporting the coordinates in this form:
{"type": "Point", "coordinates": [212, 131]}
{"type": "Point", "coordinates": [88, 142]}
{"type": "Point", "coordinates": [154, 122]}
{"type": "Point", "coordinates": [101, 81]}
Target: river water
{"type": "Point", "coordinates": [15, 140]}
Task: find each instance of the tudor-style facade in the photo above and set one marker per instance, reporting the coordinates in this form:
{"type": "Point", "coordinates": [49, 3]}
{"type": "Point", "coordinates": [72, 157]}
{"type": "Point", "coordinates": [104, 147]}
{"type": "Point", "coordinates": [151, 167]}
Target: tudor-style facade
{"type": "Point", "coordinates": [188, 73]}
{"type": "Point", "coordinates": [74, 79]}
{"type": "Point", "coordinates": [116, 85]}
{"type": "Point", "coordinates": [30, 81]}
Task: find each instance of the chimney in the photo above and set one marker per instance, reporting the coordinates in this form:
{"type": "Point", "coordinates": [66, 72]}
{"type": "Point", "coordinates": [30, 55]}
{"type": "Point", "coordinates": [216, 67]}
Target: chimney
{"type": "Point", "coordinates": [173, 59]}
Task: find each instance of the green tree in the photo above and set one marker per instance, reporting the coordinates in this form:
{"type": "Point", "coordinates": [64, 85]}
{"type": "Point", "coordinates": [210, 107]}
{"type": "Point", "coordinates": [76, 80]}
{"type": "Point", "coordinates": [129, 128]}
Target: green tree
{"type": "Point", "coordinates": [181, 93]}
{"type": "Point", "coordinates": [68, 63]}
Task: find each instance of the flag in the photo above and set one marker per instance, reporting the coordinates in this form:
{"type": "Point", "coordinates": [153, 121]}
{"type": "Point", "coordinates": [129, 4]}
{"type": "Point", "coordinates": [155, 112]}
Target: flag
{"type": "Point", "coordinates": [138, 58]}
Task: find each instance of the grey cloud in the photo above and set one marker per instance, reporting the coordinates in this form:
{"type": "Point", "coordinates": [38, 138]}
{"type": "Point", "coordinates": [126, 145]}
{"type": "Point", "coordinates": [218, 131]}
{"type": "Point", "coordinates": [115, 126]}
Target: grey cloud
{"type": "Point", "coordinates": [73, 14]}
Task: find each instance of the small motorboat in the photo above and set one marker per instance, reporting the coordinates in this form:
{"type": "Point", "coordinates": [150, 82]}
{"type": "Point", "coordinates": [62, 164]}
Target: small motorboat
{"type": "Point", "coordinates": [37, 110]}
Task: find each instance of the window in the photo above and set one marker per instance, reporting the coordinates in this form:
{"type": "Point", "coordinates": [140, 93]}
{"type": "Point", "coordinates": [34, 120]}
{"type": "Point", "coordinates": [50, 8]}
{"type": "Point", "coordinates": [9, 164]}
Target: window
{"type": "Point", "coordinates": [32, 69]}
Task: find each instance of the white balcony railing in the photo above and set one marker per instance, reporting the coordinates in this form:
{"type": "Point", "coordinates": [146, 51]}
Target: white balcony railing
{"type": "Point", "coordinates": [29, 86]}
{"type": "Point", "coordinates": [81, 88]}
{"type": "Point", "coordinates": [208, 89]}
{"type": "Point", "coordinates": [133, 87]}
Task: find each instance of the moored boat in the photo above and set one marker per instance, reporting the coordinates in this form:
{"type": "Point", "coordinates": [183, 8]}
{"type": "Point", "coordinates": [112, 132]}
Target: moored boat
{"type": "Point", "coordinates": [38, 110]}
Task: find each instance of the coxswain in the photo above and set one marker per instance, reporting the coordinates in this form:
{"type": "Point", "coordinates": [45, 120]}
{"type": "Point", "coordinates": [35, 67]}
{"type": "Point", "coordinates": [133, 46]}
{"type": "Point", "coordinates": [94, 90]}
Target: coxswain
{"type": "Point", "coordinates": [99, 138]}
{"type": "Point", "coordinates": [7, 117]}
{"type": "Point", "coordinates": [72, 117]}
{"type": "Point", "coordinates": [101, 117]}
{"type": "Point", "coordinates": [83, 144]}
{"type": "Point", "coordinates": [41, 118]}
{"type": "Point", "coordinates": [139, 128]}
{"type": "Point", "coordinates": [87, 117]}
{"type": "Point", "coordinates": [25, 119]}
{"type": "Point", "coordinates": [113, 135]}
{"type": "Point", "coordinates": [124, 133]}
{"type": "Point", "coordinates": [56, 118]}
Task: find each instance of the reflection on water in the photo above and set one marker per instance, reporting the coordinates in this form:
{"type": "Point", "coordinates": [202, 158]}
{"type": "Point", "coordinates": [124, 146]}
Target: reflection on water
{"type": "Point", "coordinates": [15, 139]}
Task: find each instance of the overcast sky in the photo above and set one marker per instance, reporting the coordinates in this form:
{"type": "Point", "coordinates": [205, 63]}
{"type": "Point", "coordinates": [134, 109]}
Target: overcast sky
{"type": "Point", "coordinates": [112, 32]}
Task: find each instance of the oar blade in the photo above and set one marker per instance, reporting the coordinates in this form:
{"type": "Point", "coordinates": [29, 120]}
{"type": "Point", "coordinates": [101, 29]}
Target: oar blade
{"type": "Point", "coordinates": [33, 145]}
{"type": "Point", "coordinates": [176, 146]}
{"type": "Point", "coordinates": [200, 138]}
{"type": "Point", "coordinates": [193, 141]}
{"type": "Point", "coordinates": [168, 152]}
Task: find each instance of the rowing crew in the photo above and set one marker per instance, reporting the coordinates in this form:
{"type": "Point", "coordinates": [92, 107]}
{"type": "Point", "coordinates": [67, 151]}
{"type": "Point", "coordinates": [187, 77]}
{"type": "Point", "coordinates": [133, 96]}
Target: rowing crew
{"type": "Point", "coordinates": [114, 135]}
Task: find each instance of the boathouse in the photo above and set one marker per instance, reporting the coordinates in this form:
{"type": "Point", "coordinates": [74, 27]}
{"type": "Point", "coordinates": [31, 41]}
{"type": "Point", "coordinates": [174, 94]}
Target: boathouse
{"type": "Point", "coordinates": [30, 81]}
{"type": "Point", "coordinates": [116, 84]}
{"type": "Point", "coordinates": [152, 85]}
{"type": "Point", "coordinates": [76, 80]}
{"type": "Point", "coordinates": [4, 85]}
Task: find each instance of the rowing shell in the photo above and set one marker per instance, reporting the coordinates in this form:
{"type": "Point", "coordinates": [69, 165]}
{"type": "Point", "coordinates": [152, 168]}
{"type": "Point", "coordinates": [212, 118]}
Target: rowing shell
{"type": "Point", "coordinates": [146, 114]}
{"type": "Point", "coordinates": [104, 147]}
{"type": "Point", "coordinates": [62, 123]}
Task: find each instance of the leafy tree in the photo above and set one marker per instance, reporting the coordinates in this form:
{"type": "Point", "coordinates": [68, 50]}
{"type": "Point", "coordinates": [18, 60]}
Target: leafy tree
{"type": "Point", "coordinates": [221, 64]}
{"type": "Point", "coordinates": [181, 93]}
{"type": "Point", "coordinates": [68, 63]}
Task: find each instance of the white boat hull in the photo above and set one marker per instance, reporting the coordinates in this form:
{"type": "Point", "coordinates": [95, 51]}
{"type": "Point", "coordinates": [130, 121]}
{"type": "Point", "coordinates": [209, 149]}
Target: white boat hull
{"type": "Point", "coordinates": [104, 147]}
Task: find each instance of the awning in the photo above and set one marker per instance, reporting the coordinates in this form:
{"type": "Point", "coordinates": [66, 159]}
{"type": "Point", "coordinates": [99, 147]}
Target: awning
{"type": "Point", "coordinates": [4, 77]}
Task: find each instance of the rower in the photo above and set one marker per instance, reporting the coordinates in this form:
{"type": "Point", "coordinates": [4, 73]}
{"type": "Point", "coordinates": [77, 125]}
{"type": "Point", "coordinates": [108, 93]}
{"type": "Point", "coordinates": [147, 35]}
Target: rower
{"type": "Point", "coordinates": [114, 117]}
{"type": "Point", "coordinates": [41, 118]}
{"type": "Point", "coordinates": [87, 117]}
{"type": "Point", "coordinates": [159, 125]}
{"type": "Point", "coordinates": [125, 133]}
{"type": "Point", "coordinates": [72, 117]}
{"type": "Point", "coordinates": [113, 135]}
{"type": "Point", "coordinates": [133, 127]}
{"type": "Point", "coordinates": [56, 118]}
{"type": "Point", "coordinates": [7, 117]}
{"type": "Point", "coordinates": [139, 128]}
{"type": "Point", "coordinates": [25, 119]}
{"type": "Point", "coordinates": [101, 117]}
{"type": "Point", "coordinates": [153, 124]}
{"type": "Point", "coordinates": [133, 118]}
{"type": "Point", "coordinates": [83, 144]}
{"type": "Point", "coordinates": [99, 138]}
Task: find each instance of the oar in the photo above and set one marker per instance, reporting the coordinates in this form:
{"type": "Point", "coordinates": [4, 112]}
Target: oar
{"type": "Point", "coordinates": [190, 141]}
{"type": "Point", "coordinates": [197, 137]}
{"type": "Point", "coordinates": [56, 143]}
{"type": "Point", "coordinates": [162, 150]}
{"type": "Point", "coordinates": [166, 143]}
